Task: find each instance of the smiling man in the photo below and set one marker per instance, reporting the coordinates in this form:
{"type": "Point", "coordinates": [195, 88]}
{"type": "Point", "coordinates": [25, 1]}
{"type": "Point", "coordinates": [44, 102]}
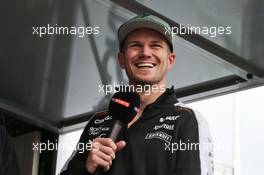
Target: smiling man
{"type": "Point", "coordinates": [146, 57]}
{"type": "Point", "coordinates": [165, 137]}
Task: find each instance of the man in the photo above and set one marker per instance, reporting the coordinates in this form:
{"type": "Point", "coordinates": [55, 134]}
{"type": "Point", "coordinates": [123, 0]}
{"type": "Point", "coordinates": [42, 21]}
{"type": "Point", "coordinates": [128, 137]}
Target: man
{"type": "Point", "coordinates": [157, 140]}
{"type": "Point", "coordinates": [8, 159]}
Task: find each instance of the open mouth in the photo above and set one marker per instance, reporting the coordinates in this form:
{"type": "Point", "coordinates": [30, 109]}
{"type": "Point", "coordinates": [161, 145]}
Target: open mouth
{"type": "Point", "coordinates": [145, 65]}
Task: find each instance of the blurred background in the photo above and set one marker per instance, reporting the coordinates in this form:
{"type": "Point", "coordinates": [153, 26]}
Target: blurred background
{"type": "Point", "coordinates": [49, 84]}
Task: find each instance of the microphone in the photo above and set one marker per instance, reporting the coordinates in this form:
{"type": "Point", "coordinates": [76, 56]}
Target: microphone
{"type": "Point", "coordinates": [123, 108]}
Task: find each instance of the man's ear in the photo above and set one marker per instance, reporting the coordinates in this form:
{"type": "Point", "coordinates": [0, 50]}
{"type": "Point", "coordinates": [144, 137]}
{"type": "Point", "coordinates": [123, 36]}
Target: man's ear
{"type": "Point", "coordinates": [171, 60]}
{"type": "Point", "coordinates": [121, 60]}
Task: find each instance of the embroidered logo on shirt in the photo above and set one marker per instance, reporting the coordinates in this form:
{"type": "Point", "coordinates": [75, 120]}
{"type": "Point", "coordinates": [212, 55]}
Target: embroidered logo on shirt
{"type": "Point", "coordinates": [170, 118]}
{"type": "Point", "coordinates": [159, 135]}
{"type": "Point", "coordinates": [99, 121]}
{"type": "Point", "coordinates": [96, 131]}
{"type": "Point", "coordinates": [165, 126]}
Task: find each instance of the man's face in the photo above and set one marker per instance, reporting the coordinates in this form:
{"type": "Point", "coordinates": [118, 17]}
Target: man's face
{"type": "Point", "coordinates": [146, 57]}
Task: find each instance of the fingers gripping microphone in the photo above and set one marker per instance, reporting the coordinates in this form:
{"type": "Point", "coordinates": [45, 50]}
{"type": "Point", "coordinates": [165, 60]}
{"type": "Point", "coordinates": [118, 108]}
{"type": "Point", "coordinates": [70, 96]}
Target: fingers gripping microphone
{"type": "Point", "coordinates": [123, 108]}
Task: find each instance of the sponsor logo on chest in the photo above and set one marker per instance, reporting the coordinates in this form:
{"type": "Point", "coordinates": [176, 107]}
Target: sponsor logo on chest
{"type": "Point", "coordinates": [159, 135]}
{"type": "Point", "coordinates": [165, 126]}
{"type": "Point", "coordinates": [169, 118]}
{"type": "Point", "coordinates": [99, 121]}
{"type": "Point", "coordinates": [97, 130]}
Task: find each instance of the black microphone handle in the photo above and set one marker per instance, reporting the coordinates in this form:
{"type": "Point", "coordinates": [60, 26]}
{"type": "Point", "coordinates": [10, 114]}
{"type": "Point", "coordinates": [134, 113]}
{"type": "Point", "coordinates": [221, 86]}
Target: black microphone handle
{"type": "Point", "coordinates": [113, 135]}
{"type": "Point", "coordinates": [99, 171]}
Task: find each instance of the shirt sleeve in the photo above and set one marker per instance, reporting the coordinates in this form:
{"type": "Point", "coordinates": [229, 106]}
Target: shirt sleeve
{"type": "Point", "coordinates": [195, 154]}
{"type": "Point", "coordinates": [187, 156]}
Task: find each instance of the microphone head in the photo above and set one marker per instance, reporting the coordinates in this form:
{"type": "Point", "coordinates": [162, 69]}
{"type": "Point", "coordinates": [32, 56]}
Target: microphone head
{"type": "Point", "coordinates": [124, 106]}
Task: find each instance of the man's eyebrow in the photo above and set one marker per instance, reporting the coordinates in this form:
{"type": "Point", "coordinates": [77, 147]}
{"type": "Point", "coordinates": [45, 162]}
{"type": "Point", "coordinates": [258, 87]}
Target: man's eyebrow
{"type": "Point", "coordinates": [156, 41]}
{"type": "Point", "coordinates": [133, 42]}
{"type": "Point", "coordinates": [138, 42]}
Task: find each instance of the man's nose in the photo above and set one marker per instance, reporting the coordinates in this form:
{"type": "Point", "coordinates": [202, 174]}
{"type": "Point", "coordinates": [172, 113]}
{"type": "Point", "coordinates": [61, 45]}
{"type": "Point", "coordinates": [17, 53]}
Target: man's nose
{"type": "Point", "coordinates": [146, 51]}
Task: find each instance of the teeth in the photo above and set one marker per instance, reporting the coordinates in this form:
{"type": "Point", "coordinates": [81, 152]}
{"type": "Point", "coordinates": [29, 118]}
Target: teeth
{"type": "Point", "coordinates": [140, 65]}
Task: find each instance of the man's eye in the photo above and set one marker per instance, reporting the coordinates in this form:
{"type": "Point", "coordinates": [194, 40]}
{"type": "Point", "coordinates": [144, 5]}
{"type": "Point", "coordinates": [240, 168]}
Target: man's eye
{"type": "Point", "coordinates": [155, 45]}
{"type": "Point", "coordinates": [135, 45]}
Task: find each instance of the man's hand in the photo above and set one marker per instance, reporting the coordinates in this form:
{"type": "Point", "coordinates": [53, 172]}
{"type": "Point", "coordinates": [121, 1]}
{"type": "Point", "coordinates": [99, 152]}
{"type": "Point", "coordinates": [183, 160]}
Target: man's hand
{"type": "Point", "coordinates": [102, 153]}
